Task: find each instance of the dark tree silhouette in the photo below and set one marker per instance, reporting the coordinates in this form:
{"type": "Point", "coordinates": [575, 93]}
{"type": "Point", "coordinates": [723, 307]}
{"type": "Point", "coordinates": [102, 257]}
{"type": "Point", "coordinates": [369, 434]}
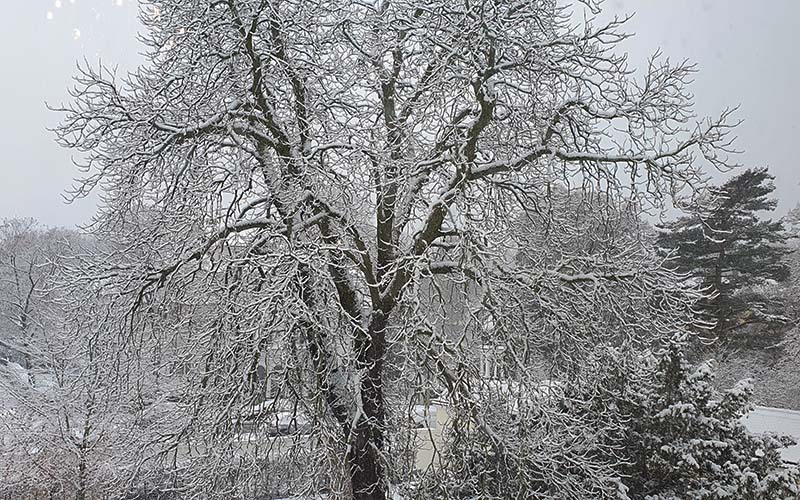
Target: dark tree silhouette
{"type": "Point", "coordinates": [726, 246]}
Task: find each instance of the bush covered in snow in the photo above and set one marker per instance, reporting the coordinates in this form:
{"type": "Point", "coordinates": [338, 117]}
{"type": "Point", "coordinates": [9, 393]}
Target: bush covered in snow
{"type": "Point", "coordinates": [654, 432]}
{"type": "Point", "coordinates": [685, 442]}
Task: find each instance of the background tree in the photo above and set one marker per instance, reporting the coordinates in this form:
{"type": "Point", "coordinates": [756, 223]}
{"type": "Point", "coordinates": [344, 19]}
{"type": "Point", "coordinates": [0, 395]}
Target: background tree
{"type": "Point", "coordinates": [580, 233]}
{"type": "Point", "coordinates": [652, 430]}
{"type": "Point", "coordinates": [26, 261]}
{"type": "Point", "coordinates": [287, 173]}
{"type": "Point", "coordinates": [729, 249]}
{"type": "Point", "coordinates": [792, 220]}
{"type": "Point", "coordinates": [65, 432]}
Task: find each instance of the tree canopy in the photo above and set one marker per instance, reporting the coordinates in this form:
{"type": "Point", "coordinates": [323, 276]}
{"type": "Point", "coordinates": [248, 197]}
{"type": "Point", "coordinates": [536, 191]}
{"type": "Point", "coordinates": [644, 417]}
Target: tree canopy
{"type": "Point", "coordinates": [283, 178]}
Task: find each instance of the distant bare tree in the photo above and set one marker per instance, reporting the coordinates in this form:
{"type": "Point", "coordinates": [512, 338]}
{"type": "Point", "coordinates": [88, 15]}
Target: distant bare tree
{"type": "Point", "coordinates": [55, 420]}
{"type": "Point", "coordinates": [29, 256]}
{"type": "Point", "coordinates": [21, 259]}
{"type": "Point", "coordinates": [601, 281]}
{"type": "Point", "coordinates": [282, 179]}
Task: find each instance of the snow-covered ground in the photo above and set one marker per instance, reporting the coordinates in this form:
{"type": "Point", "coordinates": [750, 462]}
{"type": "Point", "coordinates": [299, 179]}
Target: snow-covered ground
{"type": "Point", "coordinates": [778, 421]}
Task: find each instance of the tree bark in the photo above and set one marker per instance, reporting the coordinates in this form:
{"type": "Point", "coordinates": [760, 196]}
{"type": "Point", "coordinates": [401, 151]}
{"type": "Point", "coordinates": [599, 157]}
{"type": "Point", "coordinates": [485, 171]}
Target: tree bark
{"type": "Point", "coordinates": [364, 455]}
{"type": "Point", "coordinates": [80, 494]}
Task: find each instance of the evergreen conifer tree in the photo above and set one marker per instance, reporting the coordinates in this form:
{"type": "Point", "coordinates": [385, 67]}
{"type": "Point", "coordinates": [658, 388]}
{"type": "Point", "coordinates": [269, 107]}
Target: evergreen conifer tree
{"type": "Point", "coordinates": [729, 249]}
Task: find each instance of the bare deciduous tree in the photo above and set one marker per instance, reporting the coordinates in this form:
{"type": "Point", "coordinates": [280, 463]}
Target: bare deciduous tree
{"type": "Point", "coordinates": [295, 176]}
{"type": "Point", "coordinates": [25, 250]}
{"type": "Point", "coordinates": [64, 431]}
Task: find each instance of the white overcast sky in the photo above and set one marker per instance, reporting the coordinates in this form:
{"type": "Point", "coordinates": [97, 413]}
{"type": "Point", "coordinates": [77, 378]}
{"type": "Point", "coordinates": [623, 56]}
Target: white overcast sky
{"type": "Point", "coordinates": [746, 53]}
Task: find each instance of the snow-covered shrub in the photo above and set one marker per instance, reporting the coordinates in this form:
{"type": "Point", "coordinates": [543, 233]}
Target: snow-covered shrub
{"type": "Point", "coordinates": [551, 456]}
{"type": "Point", "coordinates": [684, 442]}
{"type": "Point", "coordinates": [652, 431]}
{"type": "Point", "coordinates": [546, 441]}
